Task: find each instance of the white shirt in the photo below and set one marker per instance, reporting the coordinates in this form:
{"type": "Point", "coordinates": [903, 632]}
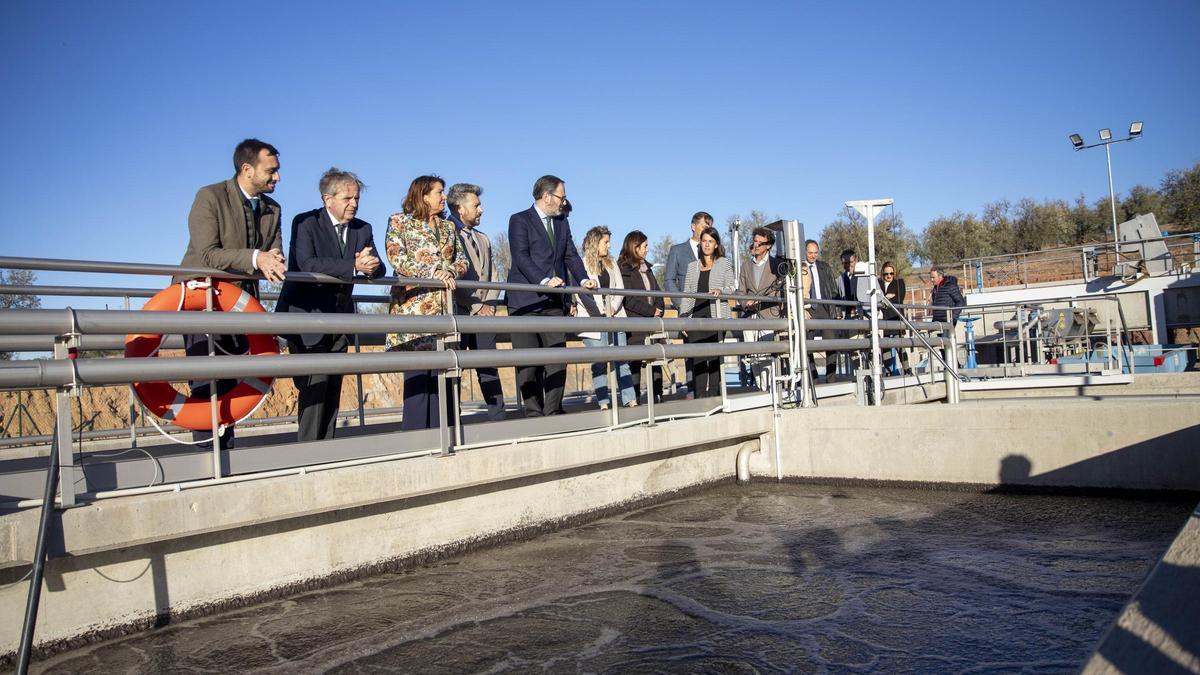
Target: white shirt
{"type": "Point", "coordinates": [816, 280]}
{"type": "Point", "coordinates": [542, 217]}
{"type": "Point", "coordinates": [695, 248]}
{"type": "Point", "coordinates": [335, 224]}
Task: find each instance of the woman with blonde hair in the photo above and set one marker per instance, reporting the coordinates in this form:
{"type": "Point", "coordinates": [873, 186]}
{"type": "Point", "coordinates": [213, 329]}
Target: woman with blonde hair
{"type": "Point", "coordinates": [422, 243]}
{"type": "Point", "coordinates": [711, 274]}
{"type": "Point", "coordinates": [602, 269]}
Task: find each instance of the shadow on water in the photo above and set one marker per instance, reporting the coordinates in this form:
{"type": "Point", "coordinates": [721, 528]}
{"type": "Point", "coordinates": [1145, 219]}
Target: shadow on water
{"type": "Point", "coordinates": [761, 578]}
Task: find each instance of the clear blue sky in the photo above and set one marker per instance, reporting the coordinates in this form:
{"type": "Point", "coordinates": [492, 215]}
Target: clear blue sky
{"type": "Point", "coordinates": [116, 112]}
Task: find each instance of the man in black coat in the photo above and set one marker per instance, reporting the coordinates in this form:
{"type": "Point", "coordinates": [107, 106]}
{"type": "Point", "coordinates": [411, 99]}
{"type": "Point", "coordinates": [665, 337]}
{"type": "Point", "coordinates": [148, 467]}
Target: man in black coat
{"type": "Point", "coordinates": [946, 293]}
{"type": "Point", "coordinates": [328, 240]}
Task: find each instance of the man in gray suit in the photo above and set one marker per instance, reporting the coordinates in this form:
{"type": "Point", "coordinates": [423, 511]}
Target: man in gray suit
{"type": "Point", "coordinates": [682, 255]}
{"type": "Point", "coordinates": [234, 226]}
{"type": "Point", "coordinates": [678, 259]}
{"type": "Point", "coordinates": [467, 211]}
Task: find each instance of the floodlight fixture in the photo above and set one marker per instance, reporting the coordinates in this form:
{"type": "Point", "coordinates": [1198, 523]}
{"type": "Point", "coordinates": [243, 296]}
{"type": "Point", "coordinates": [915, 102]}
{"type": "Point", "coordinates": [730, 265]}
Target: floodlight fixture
{"type": "Point", "coordinates": [1135, 129]}
{"type": "Point", "coordinates": [1077, 141]}
{"type": "Point", "coordinates": [1106, 134]}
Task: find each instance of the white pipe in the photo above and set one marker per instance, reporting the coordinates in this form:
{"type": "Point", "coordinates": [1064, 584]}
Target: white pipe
{"type": "Point", "coordinates": [743, 460]}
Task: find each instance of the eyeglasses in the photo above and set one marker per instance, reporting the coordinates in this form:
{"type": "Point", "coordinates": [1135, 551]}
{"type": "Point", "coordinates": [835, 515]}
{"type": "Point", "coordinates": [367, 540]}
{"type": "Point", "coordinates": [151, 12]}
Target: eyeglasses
{"type": "Point", "coordinates": [562, 197]}
{"type": "Point", "coordinates": [889, 274]}
{"type": "Point", "coordinates": [757, 242]}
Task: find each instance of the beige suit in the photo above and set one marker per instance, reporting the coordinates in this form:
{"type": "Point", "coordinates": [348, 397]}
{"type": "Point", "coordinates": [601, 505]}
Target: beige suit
{"type": "Point", "coordinates": [770, 283]}
{"type": "Point", "coordinates": [217, 230]}
{"type": "Point", "coordinates": [480, 268]}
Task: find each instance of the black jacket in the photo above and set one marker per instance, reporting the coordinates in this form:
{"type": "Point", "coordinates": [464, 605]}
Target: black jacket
{"type": "Point", "coordinates": [947, 294]}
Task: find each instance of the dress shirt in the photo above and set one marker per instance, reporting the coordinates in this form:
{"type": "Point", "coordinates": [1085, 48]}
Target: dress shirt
{"type": "Point", "coordinates": [542, 217]}
{"type": "Point", "coordinates": [816, 281]}
{"type": "Point", "coordinates": [335, 224]}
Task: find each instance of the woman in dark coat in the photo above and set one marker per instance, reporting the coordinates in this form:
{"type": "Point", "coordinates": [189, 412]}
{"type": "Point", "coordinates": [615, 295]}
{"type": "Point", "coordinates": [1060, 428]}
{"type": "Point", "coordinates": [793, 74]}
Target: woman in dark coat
{"type": "Point", "coordinates": [637, 274]}
{"type": "Point", "coordinates": [893, 289]}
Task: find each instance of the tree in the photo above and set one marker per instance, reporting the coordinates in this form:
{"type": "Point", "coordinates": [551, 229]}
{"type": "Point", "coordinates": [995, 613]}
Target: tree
{"type": "Point", "coordinates": [1039, 225]}
{"type": "Point", "coordinates": [1089, 223]}
{"type": "Point", "coordinates": [997, 218]}
{"type": "Point", "coordinates": [1181, 198]}
{"type": "Point", "coordinates": [955, 237]}
{"type": "Point", "coordinates": [18, 301]}
{"type": "Point", "coordinates": [745, 228]}
{"type": "Point", "coordinates": [501, 255]}
{"type": "Point", "coordinates": [1142, 200]}
{"type": "Point", "coordinates": [894, 242]}
{"type": "Point", "coordinates": [657, 257]}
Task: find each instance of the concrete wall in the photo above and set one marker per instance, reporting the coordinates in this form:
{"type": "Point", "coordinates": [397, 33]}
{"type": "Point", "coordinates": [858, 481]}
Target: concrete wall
{"type": "Point", "coordinates": [1159, 630]}
{"type": "Point", "coordinates": [1143, 444]}
{"type": "Point", "coordinates": [124, 561]}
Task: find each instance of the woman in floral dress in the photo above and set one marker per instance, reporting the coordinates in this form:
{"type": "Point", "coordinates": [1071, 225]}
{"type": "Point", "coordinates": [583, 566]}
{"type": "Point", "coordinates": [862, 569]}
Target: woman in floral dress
{"type": "Point", "coordinates": [422, 243]}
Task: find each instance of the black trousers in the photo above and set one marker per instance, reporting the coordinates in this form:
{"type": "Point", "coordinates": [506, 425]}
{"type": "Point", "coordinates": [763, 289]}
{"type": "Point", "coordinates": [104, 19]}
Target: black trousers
{"type": "Point", "coordinates": [422, 405]}
{"type": "Point", "coordinates": [319, 395]}
{"type": "Point", "coordinates": [635, 370]}
{"type": "Point", "coordinates": [541, 387]}
{"type": "Point", "coordinates": [706, 373]}
{"type": "Point", "coordinates": [197, 345]}
{"type": "Point", "coordinates": [489, 378]}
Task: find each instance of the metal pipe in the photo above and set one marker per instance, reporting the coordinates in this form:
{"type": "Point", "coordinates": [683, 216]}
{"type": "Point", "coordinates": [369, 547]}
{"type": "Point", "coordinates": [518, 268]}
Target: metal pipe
{"type": "Point", "coordinates": [39, 563]}
{"type": "Point", "coordinates": [109, 267]}
{"type": "Point", "coordinates": [120, 322]}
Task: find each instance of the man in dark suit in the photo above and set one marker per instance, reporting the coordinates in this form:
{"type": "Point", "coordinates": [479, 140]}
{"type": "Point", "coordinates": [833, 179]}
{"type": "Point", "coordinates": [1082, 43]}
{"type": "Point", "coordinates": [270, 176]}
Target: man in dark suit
{"type": "Point", "coordinates": [543, 253]}
{"type": "Point", "coordinates": [823, 287]}
{"type": "Point", "coordinates": [234, 226]}
{"type": "Point", "coordinates": [328, 240]}
{"type": "Point", "coordinates": [467, 211]}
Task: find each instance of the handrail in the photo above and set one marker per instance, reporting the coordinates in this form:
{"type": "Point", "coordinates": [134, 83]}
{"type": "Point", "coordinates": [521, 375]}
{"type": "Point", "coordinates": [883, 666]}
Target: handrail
{"type": "Point", "coordinates": [1077, 248]}
{"type": "Point", "coordinates": [109, 267]}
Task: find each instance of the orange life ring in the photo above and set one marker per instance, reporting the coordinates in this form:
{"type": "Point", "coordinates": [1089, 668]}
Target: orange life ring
{"type": "Point", "coordinates": [191, 412]}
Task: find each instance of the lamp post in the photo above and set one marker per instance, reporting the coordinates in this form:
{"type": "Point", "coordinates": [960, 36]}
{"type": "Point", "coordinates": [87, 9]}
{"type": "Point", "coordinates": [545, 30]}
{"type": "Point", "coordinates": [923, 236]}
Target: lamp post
{"type": "Point", "coordinates": [1106, 139]}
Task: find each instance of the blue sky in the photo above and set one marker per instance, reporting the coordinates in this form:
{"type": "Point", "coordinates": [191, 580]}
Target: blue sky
{"type": "Point", "coordinates": [117, 112]}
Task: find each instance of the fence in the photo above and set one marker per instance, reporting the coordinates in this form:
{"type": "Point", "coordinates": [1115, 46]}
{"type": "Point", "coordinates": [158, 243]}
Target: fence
{"type": "Point", "coordinates": [67, 333]}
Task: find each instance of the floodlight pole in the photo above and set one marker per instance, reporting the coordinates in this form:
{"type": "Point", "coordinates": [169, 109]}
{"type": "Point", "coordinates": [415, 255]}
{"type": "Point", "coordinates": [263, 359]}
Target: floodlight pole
{"type": "Point", "coordinates": [868, 208]}
{"type": "Point", "coordinates": [1112, 193]}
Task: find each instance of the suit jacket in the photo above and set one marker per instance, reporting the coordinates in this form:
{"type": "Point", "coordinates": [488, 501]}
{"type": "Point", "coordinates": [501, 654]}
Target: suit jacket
{"type": "Point", "coordinates": [771, 283]}
{"type": "Point", "coordinates": [217, 231]}
{"type": "Point", "coordinates": [479, 268]}
{"type": "Point", "coordinates": [314, 248]}
{"type": "Point", "coordinates": [535, 259]}
{"type": "Point", "coordinates": [678, 259]}
{"type": "Point", "coordinates": [847, 289]}
{"type": "Point", "coordinates": [640, 306]}
{"type": "Point", "coordinates": [721, 276]}
{"type": "Point", "coordinates": [828, 286]}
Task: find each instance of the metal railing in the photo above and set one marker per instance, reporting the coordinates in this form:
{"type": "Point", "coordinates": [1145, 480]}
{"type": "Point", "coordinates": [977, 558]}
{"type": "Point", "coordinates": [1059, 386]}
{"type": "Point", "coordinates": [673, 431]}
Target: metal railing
{"type": "Point", "coordinates": [1082, 262]}
{"type": "Point", "coordinates": [68, 331]}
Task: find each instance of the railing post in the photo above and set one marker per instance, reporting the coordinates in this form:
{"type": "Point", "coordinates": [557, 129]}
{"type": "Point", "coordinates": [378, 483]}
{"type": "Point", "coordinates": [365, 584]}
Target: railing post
{"type": "Point", "coordinates": [950, 373]}
{"type": "Point", "coordinates": [64, 349]}
{"type": "Point", "coordinates": [358, 379]}
{"type": "Point", "coordinates": [212, 388]}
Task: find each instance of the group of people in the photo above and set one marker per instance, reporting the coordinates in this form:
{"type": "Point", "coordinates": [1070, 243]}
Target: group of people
{"type": "Point", "coordinates": [234, 225]}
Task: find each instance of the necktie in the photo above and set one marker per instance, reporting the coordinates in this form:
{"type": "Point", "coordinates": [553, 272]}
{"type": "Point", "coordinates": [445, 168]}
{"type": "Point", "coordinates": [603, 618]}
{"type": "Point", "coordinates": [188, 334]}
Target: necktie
{"type": "Point", "coordinates": [341, 237]}
{"type": "Point", "coordinates": [813, 291]}
{"type": "Point", "coordinates": [252, 226]}
{"type": "Point", "coordinates": [550, 229]}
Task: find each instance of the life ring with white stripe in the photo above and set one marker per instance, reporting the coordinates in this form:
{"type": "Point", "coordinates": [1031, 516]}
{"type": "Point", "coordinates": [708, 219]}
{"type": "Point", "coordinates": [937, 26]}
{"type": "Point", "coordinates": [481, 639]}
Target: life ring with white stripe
{"type": "Point", "coordinates": [192, 412]}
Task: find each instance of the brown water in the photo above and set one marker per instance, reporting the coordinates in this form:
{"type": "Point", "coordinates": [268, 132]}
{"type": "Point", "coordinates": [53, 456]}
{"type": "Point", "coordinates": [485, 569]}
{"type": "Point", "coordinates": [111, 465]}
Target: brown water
{"type": "Point", "coordinates": [767, 578]}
